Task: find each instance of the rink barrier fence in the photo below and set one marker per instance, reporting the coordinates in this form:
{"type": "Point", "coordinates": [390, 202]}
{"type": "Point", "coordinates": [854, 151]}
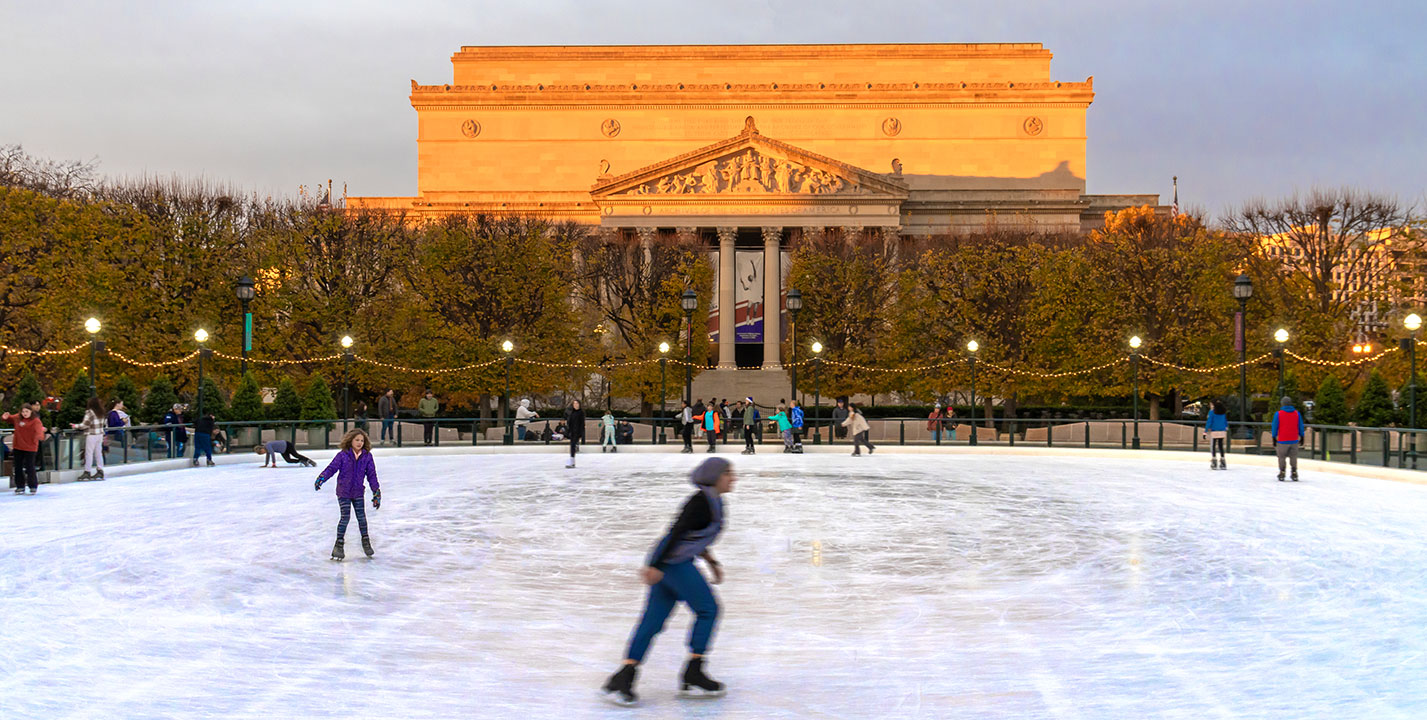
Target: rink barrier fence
{"type": "Point", "coordinates": [1375, 446]}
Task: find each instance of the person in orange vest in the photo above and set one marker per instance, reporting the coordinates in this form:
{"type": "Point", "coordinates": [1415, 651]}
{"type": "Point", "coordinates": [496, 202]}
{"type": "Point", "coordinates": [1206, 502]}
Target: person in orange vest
{"type": "Point", "coordinates": [1288, 427]}
{"type": "Point", "coordinates": [712, 424]}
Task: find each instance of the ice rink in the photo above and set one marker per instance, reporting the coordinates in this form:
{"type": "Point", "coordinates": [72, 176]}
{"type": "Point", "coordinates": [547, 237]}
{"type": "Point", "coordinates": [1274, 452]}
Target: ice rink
{"type": "Point", "coordinates": [889, 586]}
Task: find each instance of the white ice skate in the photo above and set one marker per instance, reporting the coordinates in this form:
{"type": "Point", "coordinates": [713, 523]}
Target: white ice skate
{"type": "Point", "coordinates": [570, 463]}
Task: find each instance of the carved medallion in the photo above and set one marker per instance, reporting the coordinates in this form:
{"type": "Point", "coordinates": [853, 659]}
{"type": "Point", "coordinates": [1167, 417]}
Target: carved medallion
{"type": "Point", "coordinates": [1033, 125]}
{"type": "Point", "coordinates": [610, 127]}
{"type": "Point", "coordinates": [892, 126]}
{"type": "Point", "coordinates": [470, 128]}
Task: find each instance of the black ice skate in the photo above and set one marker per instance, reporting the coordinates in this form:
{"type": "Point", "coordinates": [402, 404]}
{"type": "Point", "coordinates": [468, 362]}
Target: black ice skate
{"type": "Point", "coordinates": [337, 552]}
{"type": "Point", "coordinates": [1213, 463]}
{"type": "Point", "coordinates": [1280, 477]}
{"type": "Point", "coordinates": [195, 462]}
{"type": "Point", "coordinates": [19, 489]}
{"type": "Point", "coordinates": [619, 688]}
{"type": "Point", "coordinates": [1223, 464]}
{"type": "Point", "coordinates": [86, 475]}
{"type": "Point", "coordinates": [211, 463]}
{"type": "Point", "coordinates": [1295, 476]}
{"type": "Point", "coordinates": [695, 684]}
{"type": "Point", "coordinates": [367, 546]}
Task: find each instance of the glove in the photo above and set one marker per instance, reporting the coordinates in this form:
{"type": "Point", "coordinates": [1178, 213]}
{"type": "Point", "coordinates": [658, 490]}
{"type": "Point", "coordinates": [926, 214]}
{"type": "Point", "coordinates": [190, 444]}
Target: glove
{"type": "Point", "coordinates": [377, 499]}
{"type": "Point", "coordinates": [318, 485]}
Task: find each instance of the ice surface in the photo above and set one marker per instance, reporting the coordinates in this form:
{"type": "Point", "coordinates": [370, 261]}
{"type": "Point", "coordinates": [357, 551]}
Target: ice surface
{"type": "Point", "coordinates": [897, 587]}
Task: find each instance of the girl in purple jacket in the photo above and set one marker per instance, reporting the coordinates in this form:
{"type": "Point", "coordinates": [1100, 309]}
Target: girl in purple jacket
{"type": "Point", "coordinates": [352, 465]}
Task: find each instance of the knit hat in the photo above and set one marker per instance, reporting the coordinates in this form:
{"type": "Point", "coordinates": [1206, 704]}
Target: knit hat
{"type": "Point", "coordinates": [709, 471]}
{"type": "Point", "coordinates": [1285, 400]}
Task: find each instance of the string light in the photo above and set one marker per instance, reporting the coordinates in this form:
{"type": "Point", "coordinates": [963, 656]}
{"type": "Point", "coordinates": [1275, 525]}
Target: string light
{"type": "Point", "coordinates": [168, 363]}
{"type": "Point", "coordinates": [1217, 368]}
{"type": "Point", "coordinates": [1336, 363]}
{"type": "Point", "coordinates": [45, 353]}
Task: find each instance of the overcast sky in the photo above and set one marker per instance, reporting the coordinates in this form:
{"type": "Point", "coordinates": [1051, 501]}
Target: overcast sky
{"type": "Point", "coordinates": [1238, 98]}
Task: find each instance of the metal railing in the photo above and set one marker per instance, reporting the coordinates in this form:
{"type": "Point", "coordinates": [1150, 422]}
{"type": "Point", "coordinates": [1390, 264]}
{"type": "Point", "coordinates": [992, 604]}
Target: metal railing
{"type": "Point", "coordinates": [1384, 447]}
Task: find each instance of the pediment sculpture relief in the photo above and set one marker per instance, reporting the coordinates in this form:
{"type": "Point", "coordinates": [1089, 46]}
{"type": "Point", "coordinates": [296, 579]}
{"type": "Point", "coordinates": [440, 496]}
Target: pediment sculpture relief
{"type": "Point", "coordinates": [750, 171]}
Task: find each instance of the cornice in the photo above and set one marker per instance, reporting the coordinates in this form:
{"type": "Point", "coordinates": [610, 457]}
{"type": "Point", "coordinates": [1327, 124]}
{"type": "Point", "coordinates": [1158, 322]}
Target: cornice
{"type": "Point", "coordinates": [584, 90]}
{"type": "Point", "coordinates": [898, 51]}
{"type": "Point", "coordinates": [735, 104]}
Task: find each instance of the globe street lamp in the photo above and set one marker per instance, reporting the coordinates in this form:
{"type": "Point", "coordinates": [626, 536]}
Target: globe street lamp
{"type": "Point", "coordinates": [663, 388]}
{"type": "Point", "coordinates": [794, 303]}
{"type": "Point", "coordinates": [817, 388]}
{"type": "Point", "coordinates": [1280, 336]}
{"type": "Point", "coordinates": [507, 347]}
{"type": "Point", "coordinates": [1135, 343]}
{"type": "Point", "coordinates": [201, 337]}
{"type": "Point", "coordinates": [1413, 323]}
{"type": "Point", "coordinates": [245, 291]}
{"type": "Point", "coordinates": [346, 380]}
{"type": "Point", "coordinates": [92, 326]}
{"type": "Point", "coordinates": [1243, 290]}
{"type": "Point", "coordinates": [971, 348]}
{"type": "Point", "coordinates": [690, 303]}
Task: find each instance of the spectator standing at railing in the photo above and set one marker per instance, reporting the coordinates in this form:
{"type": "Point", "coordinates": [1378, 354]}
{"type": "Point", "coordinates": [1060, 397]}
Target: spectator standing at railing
{"type": "Point", "coordinates": [386, 408]}
{"type": "Point", "coordinates": [29, 433]}
{"type": "Point", "coordinates": [118, 418]}
{"type": "Point", "coordinates": [428, 406]}
{"type": "Point", "coordinates": [698, 411]}
{"type": "Point", "coordinates": [839, 416]}
{"type": "Point", "coordinates": [359, 415]}
{"type": "Point", "coordinates": [93, 425]}
{"type": "Point", "coordinates": [1216, 429]}
{"type": "Point", "coordinates": [178, 436]}
{"type": "Point", "coordinates": [523, 415]}
{"type": "Point", "coordinates": [1287, 431]}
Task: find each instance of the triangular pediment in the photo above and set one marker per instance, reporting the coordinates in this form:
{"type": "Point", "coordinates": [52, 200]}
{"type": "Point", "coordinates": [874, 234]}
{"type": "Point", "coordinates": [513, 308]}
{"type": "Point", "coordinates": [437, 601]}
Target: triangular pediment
{"type": "Point", "coordinates": [751, 164]}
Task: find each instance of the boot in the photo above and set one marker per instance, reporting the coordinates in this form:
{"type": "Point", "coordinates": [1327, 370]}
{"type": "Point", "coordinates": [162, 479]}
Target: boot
{"type": "Point", "coordinates": [570, 463]}
{"type": "Point", "coordinates": [601, 449]}
{"type": "Point", "coordinates": [211, 463]}
{"type": "Point", "coordinates": [619, 688]}
{"type": "Point", "coordinates": [86, 475]}
{"type": "Point", "coordinates": [99, 474]}
{"type": "Point", "coordinates": [1295, 476]}
{"type": "Point", "coordinates": [367, 546]}
{"type": "Point", "coordinates": [695, 684]}
{"type": "Point", "coordinates": [1280, 477]}
{"type": "Point", "coordinates": [1223, 463]}
{"type": "Point", "coordinates": [337, 552]}
{"type": "Point", "coordinates": [1213, 463]}
{"type": "Point", "coordinates": [19, 489]}
{"type": "Point", "coordinates": [195, 462]}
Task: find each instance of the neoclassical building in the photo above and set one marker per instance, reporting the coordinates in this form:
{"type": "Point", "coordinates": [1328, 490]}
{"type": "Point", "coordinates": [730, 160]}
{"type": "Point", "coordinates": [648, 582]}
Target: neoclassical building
{"type": "Point", "coordinates": [748, 146]}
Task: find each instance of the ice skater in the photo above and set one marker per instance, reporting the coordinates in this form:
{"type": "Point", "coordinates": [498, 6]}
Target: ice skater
{"type": "Point", "coordinates": [750, 425]}
{"type": "Point", "coordinates": [94, 424]}
{"type": "Point", "coordinates": [686, 426]}
{"type": "Point", "coordinates": [672, 577]}
{"type": "Point", "coordinates": [785, 428]}
{"type": "Point", "coordinates": [857, 425]}
{"type": "Point", "coordinates": [608, 439]}
{"type": "Point", "coordinates": [712, 423]}
{"type": "Point", "coordinates": [284, 448]}
{"type": "Point", "coordinates": [29, 433]}
{"type": "Point", "coordinates": [1216, 429]}
{"type": "Point", "coordinates": [574, 429]}
{"type": "Point", "coordinates": [1287, 431]}
{"type": "Point", "coordinates": [353, 465]}
{"type": "Point", "coordinates": [795, 418]}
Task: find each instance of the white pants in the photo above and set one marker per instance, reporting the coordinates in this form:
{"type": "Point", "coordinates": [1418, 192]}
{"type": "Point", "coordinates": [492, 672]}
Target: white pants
{"type": "Point", "coordinates": [93, 452]}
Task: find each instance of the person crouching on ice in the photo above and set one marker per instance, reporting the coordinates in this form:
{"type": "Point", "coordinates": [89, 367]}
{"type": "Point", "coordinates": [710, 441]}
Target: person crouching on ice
{"type": "Point", "coordinates": [286, 449]}
{"type": "Point", "coordinates": [672, 577]}
{"type": "Point", "coordinates": [352, 465]}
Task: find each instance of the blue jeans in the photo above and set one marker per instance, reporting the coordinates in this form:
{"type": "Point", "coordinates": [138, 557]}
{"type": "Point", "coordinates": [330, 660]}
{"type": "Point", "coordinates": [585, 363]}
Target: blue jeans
{"type": "Point", "coordinates": [682, 581]}
{"type": "Point", "coordinates": [202, 445]}
{"type": "Point", "coordinates": [388, 429]}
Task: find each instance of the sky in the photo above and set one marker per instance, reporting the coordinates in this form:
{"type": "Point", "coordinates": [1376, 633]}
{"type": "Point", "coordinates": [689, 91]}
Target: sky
{"type": "Point", "coordinates": [1243, 99]}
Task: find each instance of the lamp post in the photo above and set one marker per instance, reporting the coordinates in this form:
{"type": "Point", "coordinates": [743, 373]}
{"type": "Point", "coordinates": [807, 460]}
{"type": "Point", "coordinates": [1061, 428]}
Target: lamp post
{"type": "Point", "coordinates": [1135, 343]}
{"type": "Point", "coordinates": [92, 326]}
{"type": "Point", "coordinates": [346, 380]}
{"type": "Point", "coordinates": [245, 291]}
{"type": "Point", "coordinates": [1243, 290]}
{"type": "Point", "coordinates": [971, 348]}
{"type": "Point", "coordinates": [690, 303]}
{"type": "Point", "coordinates": [1280, 336]}
{"type": "Point", "coordinates": [507, 347]}
{"type": "Point", "coordinates": [794, 303]}
{"type": "Point", "coordinates": [817, 388]}
{"type": "Point", "coordinates": [202, 337]}
{"type": "Point", "coordinates": [663, 387]}
{"type": "Point", "coordinates": [1413, 323]}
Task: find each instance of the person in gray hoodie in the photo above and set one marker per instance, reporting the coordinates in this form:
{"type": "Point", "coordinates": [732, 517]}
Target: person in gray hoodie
{"type": "Point", "coordinates": [672, 578]}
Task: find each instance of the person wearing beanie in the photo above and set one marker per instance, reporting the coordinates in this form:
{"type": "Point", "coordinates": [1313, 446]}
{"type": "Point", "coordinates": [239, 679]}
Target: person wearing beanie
{"type": "Point", "coordinates": [1287, 431]}
{"type": "Point", "coordinates": [672, 577]}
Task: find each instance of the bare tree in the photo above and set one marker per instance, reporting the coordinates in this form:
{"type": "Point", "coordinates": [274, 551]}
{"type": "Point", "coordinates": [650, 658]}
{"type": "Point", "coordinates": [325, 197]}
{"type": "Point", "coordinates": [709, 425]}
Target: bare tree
{"type": "Point", "coordinates": [65, 180]}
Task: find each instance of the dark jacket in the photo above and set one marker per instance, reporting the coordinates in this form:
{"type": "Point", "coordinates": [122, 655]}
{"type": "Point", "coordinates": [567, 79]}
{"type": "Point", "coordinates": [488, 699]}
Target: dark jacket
{"type": "Point", "coordinates": [204, 425]}
{"type": "Point", "coordinates": [575, 423]}
{"type": "Point", "coordinates": [179, 432]}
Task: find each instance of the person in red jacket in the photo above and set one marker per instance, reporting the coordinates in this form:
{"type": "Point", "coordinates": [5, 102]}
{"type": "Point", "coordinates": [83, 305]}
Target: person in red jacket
{"type": "Point", "coordinates": [1287, 430]}
{"type": "Point", "coordinates": [29, 433]}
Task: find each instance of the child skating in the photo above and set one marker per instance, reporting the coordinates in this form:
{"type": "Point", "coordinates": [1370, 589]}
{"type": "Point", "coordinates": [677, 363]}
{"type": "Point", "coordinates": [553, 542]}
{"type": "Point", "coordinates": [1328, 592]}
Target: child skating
{"type": "Point", "coordinates": [672, 577]}
{"type": "Point", "coordinates": [352, 466]}
{"type": "Point", "coordinates": [607, 422]}
{"type": "Point", "coordinates": [1216, 429]}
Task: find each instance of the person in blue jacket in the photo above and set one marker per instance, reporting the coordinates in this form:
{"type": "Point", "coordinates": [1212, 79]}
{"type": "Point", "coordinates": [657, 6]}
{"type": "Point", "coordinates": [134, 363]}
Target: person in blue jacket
{"type": "Point", "coordinates": [672, 577]}
{"type": "Point", "coordinates": [796, 417]}
{"type": "Point", "coordinates": [1216, 429]}
{"type": "Point", "coordinates": [1287, 431]}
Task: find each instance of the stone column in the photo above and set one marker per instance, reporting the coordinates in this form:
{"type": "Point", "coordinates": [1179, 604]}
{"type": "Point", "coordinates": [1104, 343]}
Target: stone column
{"type": "Point", "coordinates": [772, 298]}
{"type": "Point", "coordinates": [727, 300]}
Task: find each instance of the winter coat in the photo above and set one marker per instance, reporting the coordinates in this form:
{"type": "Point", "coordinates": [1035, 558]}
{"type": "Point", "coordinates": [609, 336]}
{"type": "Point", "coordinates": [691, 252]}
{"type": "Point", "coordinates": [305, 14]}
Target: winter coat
{"type": "Point", "coordinates": [179, 432]}
{"type": "Point", "coordinates": [750, 416]}
{"type": "Point", "coordinates": [428, 407]}
{"type": "Point", "coordinates": [205, 425]}
{"type": "Point", "coordinates": [523, 414]}
{"type": "Point", "coordinates": [28, 432]}
{"type": "Point", "coordinates": [1216, 422]}
{"type": "Point", "coordinates": [686, 416]}
{"type": "Point", "coordinates": [856, 423]}
{"type": "Point", "coordinates": [796, 417]}
{"type": "Point", "coordinates": [713, 421]}
{"type": "Point", "coordinates": [932, 420]}
{"type": "Point", "coordinates": [118, 419]}
{"type": "Point", "coordinates": [782, 419]}
{"type": "Point", "coordinates": [351, 470]}
{"type": "Point", "coordinates": [93, 424]}
{"type": "Point", "coordinates": [1288, 426]}
{"type": "Point", "coordinates": [608, 421]}
{"type": "Point", "coordinates": [386, 407]}
{"type": "Point", "coordinates": [575, 423]}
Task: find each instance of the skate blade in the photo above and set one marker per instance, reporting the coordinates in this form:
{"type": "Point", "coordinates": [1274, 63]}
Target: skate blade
{"type": "Point", "coordinates": [698, 693]}
{"type": "Point", "coordinates": [613, 698]}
